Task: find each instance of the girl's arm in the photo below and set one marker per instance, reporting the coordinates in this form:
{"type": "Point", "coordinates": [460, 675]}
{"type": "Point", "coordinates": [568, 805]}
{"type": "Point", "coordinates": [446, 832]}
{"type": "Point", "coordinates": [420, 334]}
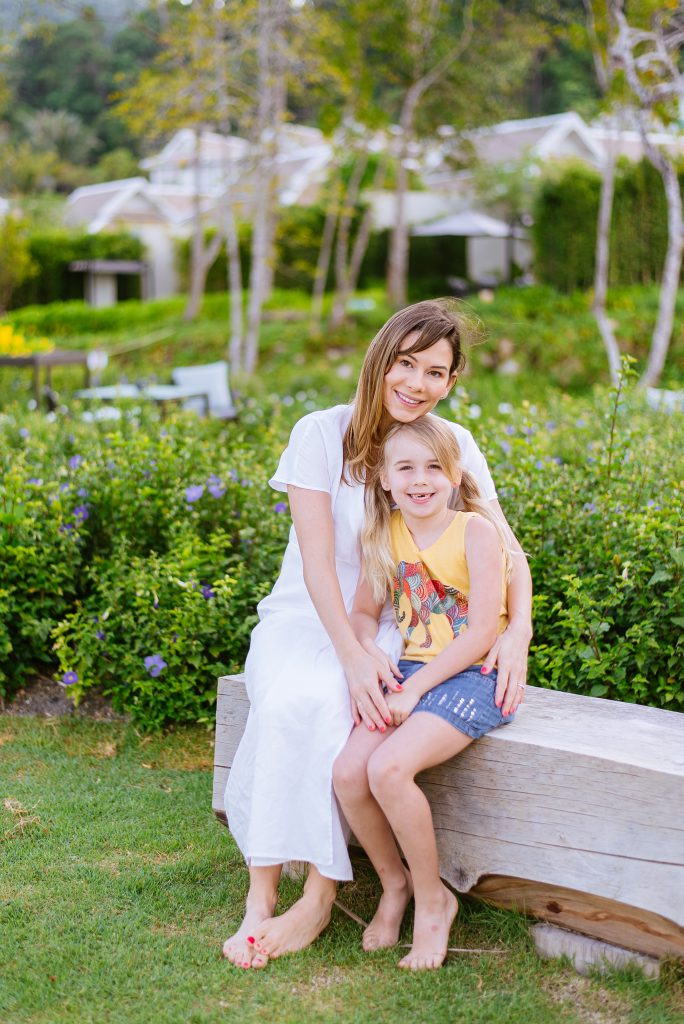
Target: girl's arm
{"type": "Point", "coordinates": [485, 566]}
{"type": "Point", "coordinates": [365, 616]}
{"type": "Point", "coordinates": [313, 523]}
{"type": "Point", "coordinates": [508, 653]}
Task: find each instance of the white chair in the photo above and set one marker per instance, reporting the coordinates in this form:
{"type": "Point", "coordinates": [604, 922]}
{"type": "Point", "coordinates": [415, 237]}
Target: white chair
{"type": "Point", "coordinates": [210, 379]}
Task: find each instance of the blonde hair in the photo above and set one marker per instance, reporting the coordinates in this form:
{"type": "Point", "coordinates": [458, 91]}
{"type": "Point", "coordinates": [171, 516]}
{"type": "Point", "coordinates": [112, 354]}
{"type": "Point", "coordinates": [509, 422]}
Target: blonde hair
{"type": "Point", "coordinates": [380, 566]}
{"type": "Point", "coordinates": [433, 320]}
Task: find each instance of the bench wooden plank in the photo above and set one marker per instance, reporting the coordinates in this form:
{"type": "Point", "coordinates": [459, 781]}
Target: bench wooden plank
{"type": "Point", "coordinates": [574, 813]}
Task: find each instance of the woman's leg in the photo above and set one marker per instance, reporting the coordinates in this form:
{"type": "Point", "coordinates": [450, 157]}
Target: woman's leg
{"type": "Point", "coordinates": [260, 906]}
{"type": "Point", "coordinates": [423, 741]}
{"type": "Point", "coordinates": [302, 923]}
{"type": "Point", "coordinates": [370, 826]}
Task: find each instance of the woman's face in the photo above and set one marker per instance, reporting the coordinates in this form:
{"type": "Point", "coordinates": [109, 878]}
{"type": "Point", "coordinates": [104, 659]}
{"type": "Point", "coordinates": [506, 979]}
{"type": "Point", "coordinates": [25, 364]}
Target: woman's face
{"type": "Point", "coordinates": [416, 381]}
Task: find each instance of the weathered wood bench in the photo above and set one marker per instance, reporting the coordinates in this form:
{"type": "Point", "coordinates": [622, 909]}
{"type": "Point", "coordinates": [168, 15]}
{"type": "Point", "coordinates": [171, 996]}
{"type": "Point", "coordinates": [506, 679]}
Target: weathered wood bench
{"type": "Point", "coordinates": [573, 814]}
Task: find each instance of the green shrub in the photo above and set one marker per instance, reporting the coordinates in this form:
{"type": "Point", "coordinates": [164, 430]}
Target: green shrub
{"type": "Point", "coordinates": [594, 493]}
{"type": "Point", "coordinates": [51, 252]}
{"type": "Point", "coordinates": [157, 631]}
{"type": "Point", "coordinates": [565, 222]}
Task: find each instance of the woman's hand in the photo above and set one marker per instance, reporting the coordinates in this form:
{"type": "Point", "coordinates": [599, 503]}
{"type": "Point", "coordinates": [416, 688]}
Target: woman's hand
{"type": "Point", "coordinates": [509, 656]}
{"type": "Point", "coordinates": [365, 675]}
{"type": "Point", "coordinates": [388, 671]}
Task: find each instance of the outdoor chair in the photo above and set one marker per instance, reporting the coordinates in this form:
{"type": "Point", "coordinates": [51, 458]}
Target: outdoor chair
{"type": "Point", "coordinates": [212, 380]}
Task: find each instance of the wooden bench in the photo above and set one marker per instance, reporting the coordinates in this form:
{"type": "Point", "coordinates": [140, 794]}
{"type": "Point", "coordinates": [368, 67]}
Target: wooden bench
{"type": "Point", "coordinates": [573, 814]}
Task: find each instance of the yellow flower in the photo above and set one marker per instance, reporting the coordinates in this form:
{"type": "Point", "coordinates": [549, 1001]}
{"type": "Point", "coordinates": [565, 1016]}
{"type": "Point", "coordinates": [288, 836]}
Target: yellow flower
{"type": "Point", "coordinates": [14, 344]}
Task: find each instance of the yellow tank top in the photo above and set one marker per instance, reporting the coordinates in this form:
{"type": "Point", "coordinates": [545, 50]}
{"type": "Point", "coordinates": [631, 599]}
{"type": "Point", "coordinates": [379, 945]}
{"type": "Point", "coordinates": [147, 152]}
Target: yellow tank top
{"type": "Point", "coordinates": [430, 588]}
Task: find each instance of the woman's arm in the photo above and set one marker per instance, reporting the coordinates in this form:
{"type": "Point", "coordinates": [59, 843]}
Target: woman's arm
{"type": "Point", "coordinates": [509, 651]}
{"type": "Point", "coordinates": [313, 523]}
{"type": "Point", "coordinates": [485, 566]}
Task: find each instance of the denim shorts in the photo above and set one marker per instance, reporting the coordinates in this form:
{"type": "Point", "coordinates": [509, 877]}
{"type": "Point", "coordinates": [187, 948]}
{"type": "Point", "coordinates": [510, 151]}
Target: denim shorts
{"type": "Point", "coordinates": [466, 700]}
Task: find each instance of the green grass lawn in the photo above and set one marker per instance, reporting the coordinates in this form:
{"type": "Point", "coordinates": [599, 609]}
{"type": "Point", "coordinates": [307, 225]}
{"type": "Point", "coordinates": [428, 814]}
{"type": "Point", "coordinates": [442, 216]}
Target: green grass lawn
{"type": "Point", "coordinates": [117, 887]}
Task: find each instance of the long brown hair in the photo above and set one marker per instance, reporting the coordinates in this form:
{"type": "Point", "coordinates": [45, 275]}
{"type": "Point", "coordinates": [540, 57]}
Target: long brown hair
{"type": "Point", "coordinates": [438, 437]}
{"type": "Point", "coordinates": [432, 320]}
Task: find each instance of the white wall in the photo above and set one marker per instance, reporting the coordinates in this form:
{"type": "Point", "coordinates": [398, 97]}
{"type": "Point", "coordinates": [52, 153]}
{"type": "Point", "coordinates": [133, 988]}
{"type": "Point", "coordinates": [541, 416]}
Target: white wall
{"type": "Point", "coordinates": [486, 257]}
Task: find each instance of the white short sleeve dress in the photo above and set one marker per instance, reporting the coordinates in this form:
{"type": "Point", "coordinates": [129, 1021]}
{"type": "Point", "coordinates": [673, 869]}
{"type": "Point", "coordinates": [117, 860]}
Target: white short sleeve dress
{"type": "Point", "coordinates": [279, 799]}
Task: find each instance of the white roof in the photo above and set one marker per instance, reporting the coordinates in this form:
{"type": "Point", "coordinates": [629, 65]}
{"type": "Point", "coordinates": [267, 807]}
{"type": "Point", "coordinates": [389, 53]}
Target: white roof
{"type": "Point", "coordinates": [470, 224]}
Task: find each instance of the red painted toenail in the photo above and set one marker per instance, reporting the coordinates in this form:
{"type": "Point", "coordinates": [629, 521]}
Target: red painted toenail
{"type": "Point", "coordinates": [250, 939]}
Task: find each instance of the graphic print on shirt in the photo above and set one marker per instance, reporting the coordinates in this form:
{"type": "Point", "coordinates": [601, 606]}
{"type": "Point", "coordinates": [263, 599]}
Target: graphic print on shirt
{"type": "Point", "coordinates": [427, 597]}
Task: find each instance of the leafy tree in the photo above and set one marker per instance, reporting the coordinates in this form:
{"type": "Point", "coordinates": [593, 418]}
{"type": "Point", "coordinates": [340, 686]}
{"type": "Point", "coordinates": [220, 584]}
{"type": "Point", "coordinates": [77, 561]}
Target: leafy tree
{"type": "Point", "coordinates": [16, 265]}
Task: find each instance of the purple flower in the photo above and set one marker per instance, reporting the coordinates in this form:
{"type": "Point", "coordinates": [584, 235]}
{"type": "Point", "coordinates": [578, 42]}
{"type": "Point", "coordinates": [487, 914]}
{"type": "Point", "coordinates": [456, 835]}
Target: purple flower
{"type": "Point", "coordinates": [233, 475]}
{"type": "Point", "coordinates": [215, 487]}
{"type": "Point", "coordinates": [589, 506]}
{"type": "Point", "coordinates": [24, 432]}
{"type": "Point", "coordinates": [69, 678]}
{"type": "Point", "coordinates": [75, 461]}
{"type": "Point", "coordinates": [539, 464]}
{"type": "Point", "coordinates": [81, 513]}
{"type": "Point", "coordinates": [64, 488]}
{"type": "Point", "coordinates": [550, 425]}
{"type": "Point", "coordinates": [580, 422]}
{"type": "Point", "coordinates": [34, 481]}
{"type": "Point", "coordinates": [155, 664]}
{"type": "Point", "coordinates": [506, 447]}
{"type": "Point", "coordinates": [66, 528]}
{"type": "Point", "coordinates": [557, 459]}
{"type": "Point", "coordinates": [100, 634]}
{"type": "Point", "coordinates": [207, 592]}
{"type": "Point", "coordinates": [280, 507]}
{"type": "Point", "coordinates": [245, 483]}
{"type": "Point", "coordinates": [194, 493]}
{"type": "Point", "coordinates": [510, 429]}
{"type": "Point", "coordinates": [82, 493]}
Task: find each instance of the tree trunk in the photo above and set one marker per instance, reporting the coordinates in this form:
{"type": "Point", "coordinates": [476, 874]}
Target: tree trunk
{"type": "Point", "coordinates": [201, 258]}
{"type": "Point", "coordinates": [235, 353]}
{"type": "Point", "coordinates": [271, 106]}
{"type": "Point", "coordinates": [397, 261]}
{"type": "Point", "coordinates": [360, 246]}
{"type": "Point", "coordinates": [339, 311]}
{"type": "Point", "coordinates": [662, 332]}
{"type": "Point", "coordinates": [602, 264]}
{"type": "Point", "coordinates": [323, 261]}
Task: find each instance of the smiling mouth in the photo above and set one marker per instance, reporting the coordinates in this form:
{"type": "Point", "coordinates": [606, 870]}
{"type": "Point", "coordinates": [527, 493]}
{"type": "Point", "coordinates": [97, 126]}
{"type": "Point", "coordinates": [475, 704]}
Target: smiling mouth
{"type": "Point", "coordinates": [405, 400]}
{"type": "Point", "coordinates": [422, 497]}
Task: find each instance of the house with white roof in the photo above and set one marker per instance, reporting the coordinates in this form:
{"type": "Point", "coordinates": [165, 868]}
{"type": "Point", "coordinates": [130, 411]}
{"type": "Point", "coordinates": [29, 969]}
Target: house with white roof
{"type": "Point", "coordinates": [159, 210]}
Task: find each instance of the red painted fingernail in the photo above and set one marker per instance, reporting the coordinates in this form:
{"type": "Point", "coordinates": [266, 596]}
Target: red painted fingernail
{"type": "Point", "coordinates": [388, 720]}
{"type": "Point", "coordinates": [371, 728]}
{"type": "Point", "coordinates": [484, 670]}
{"type": "Point", "coordinates": [399, 686]}
{"type": "Point", "coordinates": [250, 939]}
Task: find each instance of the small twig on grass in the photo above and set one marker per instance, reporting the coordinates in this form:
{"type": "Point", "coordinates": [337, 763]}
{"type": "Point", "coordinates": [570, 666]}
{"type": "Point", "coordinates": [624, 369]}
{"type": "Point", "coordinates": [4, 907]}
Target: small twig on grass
{"type": "Point", "coordinates": [26, 820]}
{"type": "Point", "coordinates": [407, 945]}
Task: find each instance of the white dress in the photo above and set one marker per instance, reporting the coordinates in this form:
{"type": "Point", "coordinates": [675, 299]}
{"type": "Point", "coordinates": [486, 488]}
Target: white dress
{"type": "Point", "coordinates": [279, 799]}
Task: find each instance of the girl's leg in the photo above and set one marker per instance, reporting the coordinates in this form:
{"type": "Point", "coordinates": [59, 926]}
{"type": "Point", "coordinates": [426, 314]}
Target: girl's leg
{"type": "Point", "coordinates": [423, 741]}
{"type": "Point", "coordinates": [370, 826]}
{"type": "Point", "coordinates": [301, 924]}
{"type": "Point", "coordinates": [261, 902]}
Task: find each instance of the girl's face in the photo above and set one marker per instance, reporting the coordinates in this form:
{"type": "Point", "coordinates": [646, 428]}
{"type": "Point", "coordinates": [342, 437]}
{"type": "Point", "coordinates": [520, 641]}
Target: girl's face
{"type": "Point", "coordinates": [415, 382]}
{"type": "Point", "coordinates": [413, 474]}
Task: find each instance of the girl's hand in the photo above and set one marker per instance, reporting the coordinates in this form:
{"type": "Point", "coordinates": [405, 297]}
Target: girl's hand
{"type": "Point", "coordinates": [388, 671]}
{"type": "Point", "coordinates": [402, 704]}
{"type": "Point", "coordinates": [368, 704]}
{"type": "Point", "coordinates": [509, 655]}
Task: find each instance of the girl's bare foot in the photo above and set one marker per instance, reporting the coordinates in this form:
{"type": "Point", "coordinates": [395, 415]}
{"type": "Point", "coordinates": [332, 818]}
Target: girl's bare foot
{"type": "Point", "coordinates": [383, 930]}
{"type": "Point", "coordinates": [431, 933]}
{"type": "Point", "coordinates": [299, 926]}
{"type": "Point", "coordinates": [237, 949]}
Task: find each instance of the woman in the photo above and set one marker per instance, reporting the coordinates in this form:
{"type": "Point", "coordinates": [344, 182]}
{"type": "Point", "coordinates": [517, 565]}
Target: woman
{"type": "Point", "coordinates": [308, 677]}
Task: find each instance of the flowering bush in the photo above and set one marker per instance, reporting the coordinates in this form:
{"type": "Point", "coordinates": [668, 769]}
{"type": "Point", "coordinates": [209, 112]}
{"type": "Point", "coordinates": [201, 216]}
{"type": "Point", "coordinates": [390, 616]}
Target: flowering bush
{"type": "Point", "coordinates": [12, 343]}
{"type": "Point", "coordinates": [133, 555]}
{"type": "Point", "coordinates": [594, 492]}
{"type": "Point", "coordinates": [80, 506]}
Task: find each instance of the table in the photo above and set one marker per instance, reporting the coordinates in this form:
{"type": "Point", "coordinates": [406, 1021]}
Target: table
{"type": "Point", "coordinates": [46, 360]}
{"type": "Point", "coordinates": [162, 394]}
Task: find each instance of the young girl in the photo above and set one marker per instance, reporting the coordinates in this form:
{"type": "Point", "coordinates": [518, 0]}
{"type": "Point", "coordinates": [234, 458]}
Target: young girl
{"type": "Point", "coordinates": [446, 572]}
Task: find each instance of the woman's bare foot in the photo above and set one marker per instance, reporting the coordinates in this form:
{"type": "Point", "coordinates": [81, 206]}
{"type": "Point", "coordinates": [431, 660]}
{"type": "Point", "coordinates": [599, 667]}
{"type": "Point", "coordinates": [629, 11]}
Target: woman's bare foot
{"type": "Point", "coordinates": [431, 933]}
{"type": "Point", "coordinates": [237, 949]}
{"type": "Point", "coordinates": [383, 930]}
{"type": "Point", "coordinates": [301, 924]}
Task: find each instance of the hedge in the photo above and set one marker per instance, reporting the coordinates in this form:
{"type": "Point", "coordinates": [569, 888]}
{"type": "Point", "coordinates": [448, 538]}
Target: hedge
{"type": "Point", "coordinates": [53, 251]}
{"type": "Point", "coordinates": [565, 221]}
{"type": "Point", "coordinates": [133, 555]}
